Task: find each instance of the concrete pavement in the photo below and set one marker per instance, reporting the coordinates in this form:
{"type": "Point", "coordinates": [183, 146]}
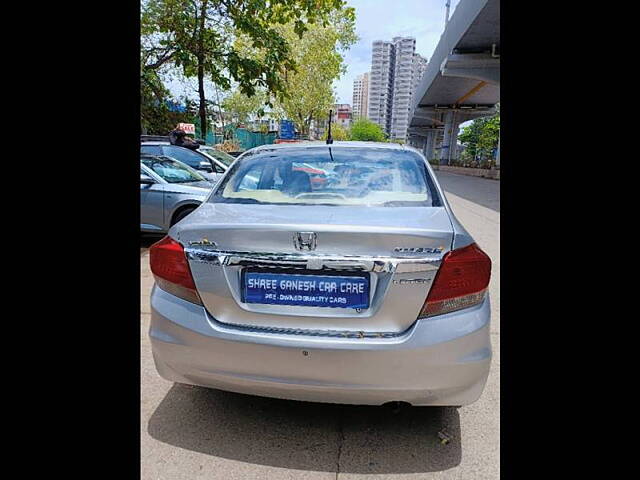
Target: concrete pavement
{"type": "Point", "coordinates": [191, 433]}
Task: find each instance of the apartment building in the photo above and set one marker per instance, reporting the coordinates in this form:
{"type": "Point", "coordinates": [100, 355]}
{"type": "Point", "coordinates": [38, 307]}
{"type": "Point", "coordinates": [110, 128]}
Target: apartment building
{"type": "Point", "coordinates": [396, 71]}
{"type": "Point", "coordinates": [381, 84]}
{"type": "Point", "coordinates": [361, 96]}
{"type": "Point", "coordinates": [409, 68]}
{"type": "Point", "coordinates": [419, 67]}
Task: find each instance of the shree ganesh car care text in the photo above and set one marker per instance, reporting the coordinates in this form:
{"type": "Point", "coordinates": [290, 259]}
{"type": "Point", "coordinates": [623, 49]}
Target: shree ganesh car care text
{"type": "Point", "coordinates": [312, 286]}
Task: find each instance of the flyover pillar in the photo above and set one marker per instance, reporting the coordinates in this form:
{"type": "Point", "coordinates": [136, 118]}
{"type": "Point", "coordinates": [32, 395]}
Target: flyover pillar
{"type": "Point", "coordinates": [450, 140]}
{"type": "Point", "coordinates": [429, 143]}
{"type": "Point", "coordinates": [453, 148]}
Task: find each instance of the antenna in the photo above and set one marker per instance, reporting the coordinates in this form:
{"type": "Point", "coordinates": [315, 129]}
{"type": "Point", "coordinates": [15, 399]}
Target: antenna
{"type": "Point", "coordinates": [329, 137]}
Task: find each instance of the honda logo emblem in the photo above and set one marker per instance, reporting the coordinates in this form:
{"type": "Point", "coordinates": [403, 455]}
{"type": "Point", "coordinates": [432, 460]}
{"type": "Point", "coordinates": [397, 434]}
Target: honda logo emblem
{"type": "Point", "coordinates": [305, 240]}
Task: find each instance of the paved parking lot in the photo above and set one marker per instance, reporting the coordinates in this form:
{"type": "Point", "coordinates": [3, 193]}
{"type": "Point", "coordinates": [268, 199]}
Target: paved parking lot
{"type": "Point", "coordinates": [190, 432]}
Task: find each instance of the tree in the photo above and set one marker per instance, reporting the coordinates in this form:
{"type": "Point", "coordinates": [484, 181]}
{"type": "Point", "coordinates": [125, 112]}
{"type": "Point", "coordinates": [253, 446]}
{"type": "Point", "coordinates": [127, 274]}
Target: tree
{"type": "Point", "coordinates": [309, 88]}
{"type": "Point", "coordinates": [366, 130]}
{"type": "Point", "coordinates": [198, 36]}
{"type": "Point", "coordinates": [469, 137]}
{"type": "Point", "coordinates": [337, 133]}
{"type": "Point", "coordinates": [241, 107]}
{"type": "Point", "coordinates": [488, 141]}
{"type": "Point", "coordinates": [156, 117]}
{"type": "Point", "coordinates": [481, 137]}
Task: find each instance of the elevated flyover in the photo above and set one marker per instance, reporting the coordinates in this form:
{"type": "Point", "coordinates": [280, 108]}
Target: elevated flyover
{"type": "Point", "coordinates": [461, 81]}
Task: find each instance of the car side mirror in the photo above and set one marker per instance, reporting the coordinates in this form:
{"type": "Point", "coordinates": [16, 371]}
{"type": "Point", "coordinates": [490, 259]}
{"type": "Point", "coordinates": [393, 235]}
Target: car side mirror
{"type": "Point", "coordinates": [206, 166]}
{"type": "Point", "coordinates": [146, 179]}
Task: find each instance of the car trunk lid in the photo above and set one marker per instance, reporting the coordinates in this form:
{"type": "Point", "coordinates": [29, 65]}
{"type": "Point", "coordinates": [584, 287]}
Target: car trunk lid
{"type": "Point", "coordinates": [395, 249]}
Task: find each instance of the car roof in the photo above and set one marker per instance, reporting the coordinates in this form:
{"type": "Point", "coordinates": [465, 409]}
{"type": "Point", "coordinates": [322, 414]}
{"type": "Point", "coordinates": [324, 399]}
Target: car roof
{"type": "Point", "coordinates": [310, 144]}
{"type": "Point", "coordinates": [161, 157]}
{"type": "Point", "coordinates": [155, 142]}
{"type": "Point", "coordinates": [346, 144]}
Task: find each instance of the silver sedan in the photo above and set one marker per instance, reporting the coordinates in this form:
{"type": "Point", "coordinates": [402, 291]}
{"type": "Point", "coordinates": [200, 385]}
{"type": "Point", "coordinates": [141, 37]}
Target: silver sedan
{"type": "Point", "coordinates": [207, 165]}
{"type": "Point", "coordinates": [330, 273]}
{"type": "Point", "coordinates": [169, 191]}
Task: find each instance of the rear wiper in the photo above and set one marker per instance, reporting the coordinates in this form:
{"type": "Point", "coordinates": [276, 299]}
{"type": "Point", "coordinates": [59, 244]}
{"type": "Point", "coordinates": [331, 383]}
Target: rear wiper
{"type": "Point", "coordinates": [240, 200]}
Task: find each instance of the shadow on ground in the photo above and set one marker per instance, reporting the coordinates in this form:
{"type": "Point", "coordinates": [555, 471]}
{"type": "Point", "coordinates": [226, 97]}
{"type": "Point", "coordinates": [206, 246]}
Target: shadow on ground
{"type": "Point", "coordinates": [307, 436]}
{"type": "Point", "coordinates": [148, 239]}
{"type": "Point", "coordinates": [483, 191]}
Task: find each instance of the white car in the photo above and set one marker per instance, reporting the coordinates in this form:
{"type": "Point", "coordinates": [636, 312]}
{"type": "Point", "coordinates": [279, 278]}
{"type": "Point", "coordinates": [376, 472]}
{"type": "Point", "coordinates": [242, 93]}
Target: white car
{"type": "Point", "coordinates": [210, 167]}
{"type": "Point", "coordinates": [217, 156]}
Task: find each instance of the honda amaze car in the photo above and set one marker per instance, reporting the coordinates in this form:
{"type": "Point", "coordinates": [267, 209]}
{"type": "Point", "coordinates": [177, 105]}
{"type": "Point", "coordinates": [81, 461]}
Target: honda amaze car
{"type": "Point", "coordinates": [362, 290]}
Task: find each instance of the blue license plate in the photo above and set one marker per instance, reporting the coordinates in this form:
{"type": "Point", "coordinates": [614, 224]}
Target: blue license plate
{"type": "Point", "coordinates": [306, 290]}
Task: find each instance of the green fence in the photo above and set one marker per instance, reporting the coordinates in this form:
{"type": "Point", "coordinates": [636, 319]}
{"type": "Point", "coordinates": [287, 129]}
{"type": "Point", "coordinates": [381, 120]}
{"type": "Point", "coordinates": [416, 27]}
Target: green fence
{"type": "Point", "coordinates": [249, 139]}
{"type": "Point", "coordinates": [211, 139]}
{"type": "Point", "coordinates": [244, 137]}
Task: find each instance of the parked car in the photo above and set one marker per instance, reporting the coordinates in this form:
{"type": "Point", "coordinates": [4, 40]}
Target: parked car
{"type": "Point", "coordinates": [362, 290]}
{"type": "Point", "coordinates": [169, 191]}
{"type": "Point", "coordinates": [217, 155]}
{"type": "Point", "coordinates": [210, 168]}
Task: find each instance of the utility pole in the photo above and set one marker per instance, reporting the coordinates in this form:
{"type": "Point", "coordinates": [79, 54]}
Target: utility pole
{"type": "Point", "coordinates": [446, 16]}
{"type": "Point", "coordinates": [221, 115]}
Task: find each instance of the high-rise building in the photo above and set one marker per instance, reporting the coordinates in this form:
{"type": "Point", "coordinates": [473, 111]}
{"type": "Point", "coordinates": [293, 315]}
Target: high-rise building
{"type": "Point", "coordinates": [402, 85]}
{"type": "Point", "coordinates": [361, 96]}
{"type": "Point", "coordinates": [381, 84]}
{"type": "Point", "coordinates": [419, 67]}
{"type": "Point", "coordinates": [409, 68]}
{"type": "Point", "coordinates": [396, 71]}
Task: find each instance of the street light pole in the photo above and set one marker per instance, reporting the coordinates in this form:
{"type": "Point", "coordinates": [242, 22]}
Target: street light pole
{"type": "Point", "coordinates": [446, 17]}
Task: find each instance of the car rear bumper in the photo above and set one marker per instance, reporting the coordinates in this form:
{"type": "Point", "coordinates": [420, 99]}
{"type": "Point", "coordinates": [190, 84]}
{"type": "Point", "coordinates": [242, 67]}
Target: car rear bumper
{"type": "Point", "coordinates": [442, 360]}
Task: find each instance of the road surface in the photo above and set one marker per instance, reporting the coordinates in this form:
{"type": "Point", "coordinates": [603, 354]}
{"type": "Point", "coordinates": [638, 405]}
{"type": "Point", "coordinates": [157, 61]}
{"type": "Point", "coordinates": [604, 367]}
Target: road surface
{"type": "Point", "coordinates": [196, 433]}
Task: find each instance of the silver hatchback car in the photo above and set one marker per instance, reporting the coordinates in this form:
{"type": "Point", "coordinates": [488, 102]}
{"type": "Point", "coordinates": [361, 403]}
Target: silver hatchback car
{"type": "Point", "coordinates": [331, 273]}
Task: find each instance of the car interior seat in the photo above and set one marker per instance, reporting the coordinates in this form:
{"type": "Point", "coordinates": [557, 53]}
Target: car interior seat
{"type": "Point", "coordinates": [297, 182]}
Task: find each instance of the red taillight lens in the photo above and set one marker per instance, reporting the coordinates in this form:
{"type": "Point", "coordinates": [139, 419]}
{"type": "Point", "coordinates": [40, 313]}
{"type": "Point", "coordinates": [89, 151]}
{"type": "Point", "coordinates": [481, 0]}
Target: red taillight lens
{"type": "Point", "coordinates": [461, 281]}
{"type": "Point", "coordinates": [171, 269]}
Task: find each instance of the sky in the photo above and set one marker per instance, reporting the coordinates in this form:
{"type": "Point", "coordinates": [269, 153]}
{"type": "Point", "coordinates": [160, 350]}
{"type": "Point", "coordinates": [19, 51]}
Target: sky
{"type": "Point", "coordinates": [375, 20]}
{"type": "Point", "coordinates": [383, 20]}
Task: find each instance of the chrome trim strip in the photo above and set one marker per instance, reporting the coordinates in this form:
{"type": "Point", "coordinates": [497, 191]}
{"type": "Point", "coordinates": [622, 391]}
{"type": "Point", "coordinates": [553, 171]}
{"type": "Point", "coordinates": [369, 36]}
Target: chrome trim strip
{"type": "Point", "coordinates": [184, 193]}
{"type": "Point", "coordinates": [310, 261]}
{"type": "Point", "coordinates": [304, 332]}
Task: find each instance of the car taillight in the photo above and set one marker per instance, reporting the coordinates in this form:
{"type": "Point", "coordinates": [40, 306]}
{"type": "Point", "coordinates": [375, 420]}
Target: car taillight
{"type": "Point", "coordinates": [461, 281]}
{"type": "Point", "coordinates": [171, 270]}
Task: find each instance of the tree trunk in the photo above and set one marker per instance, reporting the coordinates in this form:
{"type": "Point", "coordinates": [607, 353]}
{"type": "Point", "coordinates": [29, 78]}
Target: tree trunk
{"type": "Point", "coordinates": [220, 112]}
{"type": "Point", "coordinates": [202, 110]}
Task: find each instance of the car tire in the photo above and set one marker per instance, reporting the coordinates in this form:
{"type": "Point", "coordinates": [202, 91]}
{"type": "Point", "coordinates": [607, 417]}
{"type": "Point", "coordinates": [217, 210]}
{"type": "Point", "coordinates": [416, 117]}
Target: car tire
{"type": "Point", "coordinates": [181, 214]}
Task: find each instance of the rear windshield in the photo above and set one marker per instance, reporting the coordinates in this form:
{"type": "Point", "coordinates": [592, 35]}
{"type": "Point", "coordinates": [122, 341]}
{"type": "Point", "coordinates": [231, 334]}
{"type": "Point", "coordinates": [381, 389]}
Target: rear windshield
{"type": "Point", "coordinates": [171, 170]}
{"type": "Point", "coordinates": [218, 155]}
{"type": "Point", "coordinates": [329, 176]}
